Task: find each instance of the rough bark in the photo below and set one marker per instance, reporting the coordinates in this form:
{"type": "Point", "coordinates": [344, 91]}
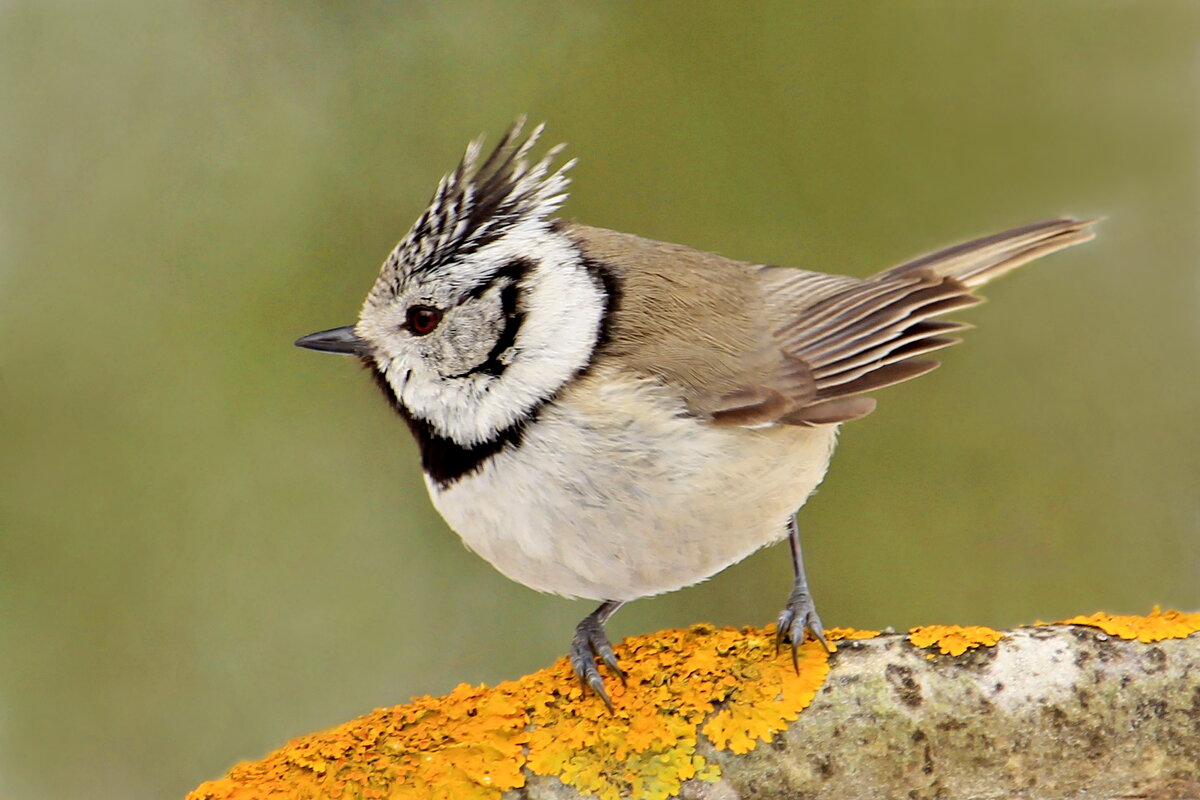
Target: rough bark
{"type": "Point", "coordinates": [1052, 712]}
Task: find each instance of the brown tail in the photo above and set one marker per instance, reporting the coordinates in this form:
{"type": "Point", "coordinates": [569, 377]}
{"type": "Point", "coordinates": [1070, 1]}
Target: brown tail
{"type": "Point", "coordinates": [867, 336]}
{"type": "Point", "coordinates": [976, 262]}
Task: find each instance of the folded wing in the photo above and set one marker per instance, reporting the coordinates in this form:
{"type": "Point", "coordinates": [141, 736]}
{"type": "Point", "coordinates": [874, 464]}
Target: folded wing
{"type": "Point", "coordinates": [841, 337]}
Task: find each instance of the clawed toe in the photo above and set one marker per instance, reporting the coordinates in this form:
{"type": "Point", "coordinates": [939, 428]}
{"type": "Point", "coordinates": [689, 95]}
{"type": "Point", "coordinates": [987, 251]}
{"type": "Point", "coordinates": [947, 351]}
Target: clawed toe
{"type": "Point", "coordinates": [797, 617]}
{"type": "Point", "coordinates": [588, 644]}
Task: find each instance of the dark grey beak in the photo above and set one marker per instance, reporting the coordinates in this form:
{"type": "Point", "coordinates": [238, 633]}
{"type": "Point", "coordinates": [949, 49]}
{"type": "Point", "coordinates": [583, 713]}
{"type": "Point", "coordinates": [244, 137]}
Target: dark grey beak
{"type": "Point", "coordinates": [335, 340]}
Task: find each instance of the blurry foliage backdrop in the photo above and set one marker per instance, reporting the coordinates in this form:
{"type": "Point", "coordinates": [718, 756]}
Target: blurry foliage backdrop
{"type": "Point", "coordinates": [211, 541]}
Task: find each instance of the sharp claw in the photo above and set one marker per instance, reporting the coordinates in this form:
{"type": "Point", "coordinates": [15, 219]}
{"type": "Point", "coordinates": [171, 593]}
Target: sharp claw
{"type": "Point", "coordinates": [818, 633]}
{"type": "Point", "coordinates": [798, 618]}
{"type": "Point", "coordinates": [597, 684]}
{"type": "Point", "coordinates": [782, 625]}
{"type": "Point", "coordinates": [579, 669]}
{"type": "Point", "coordinates": [588, 645]}
{"type": "Point", "coordinates": [610, 660]}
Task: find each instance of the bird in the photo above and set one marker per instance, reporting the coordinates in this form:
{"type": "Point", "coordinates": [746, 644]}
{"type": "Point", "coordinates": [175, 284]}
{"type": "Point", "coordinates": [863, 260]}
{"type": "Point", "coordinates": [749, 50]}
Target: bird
{"type": "Point", "coordinates": [609, 417]}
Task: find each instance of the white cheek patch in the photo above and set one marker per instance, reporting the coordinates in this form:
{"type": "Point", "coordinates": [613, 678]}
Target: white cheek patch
{"type": "Point", "coordinates": [563, 306]}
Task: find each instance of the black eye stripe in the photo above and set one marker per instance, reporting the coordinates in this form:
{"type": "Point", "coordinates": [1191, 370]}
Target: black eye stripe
{"type": "Point", "coordinates": [513, 319]}
{"type": "Point", "coordinates": [508, 334]}
{"type": "Point", "coordinates": [515, 271]}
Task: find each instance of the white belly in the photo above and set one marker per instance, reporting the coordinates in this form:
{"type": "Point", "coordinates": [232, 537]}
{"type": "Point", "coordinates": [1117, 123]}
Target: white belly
{"type": "Point", "coordinates": [613, 494]}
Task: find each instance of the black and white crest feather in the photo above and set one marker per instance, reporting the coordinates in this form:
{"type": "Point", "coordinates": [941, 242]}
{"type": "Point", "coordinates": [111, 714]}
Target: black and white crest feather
{"type": "Point", "coordinates": [478, 203]}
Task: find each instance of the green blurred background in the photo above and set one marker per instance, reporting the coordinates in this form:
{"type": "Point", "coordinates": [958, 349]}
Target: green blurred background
{"type": "Point", "coordinates": [213, 541]}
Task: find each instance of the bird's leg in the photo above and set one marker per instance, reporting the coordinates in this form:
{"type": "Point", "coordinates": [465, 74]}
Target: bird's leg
{"type": "Point", "coordinates": [590, 643]}
{"type": "Point", "coordinates": [800, 613]}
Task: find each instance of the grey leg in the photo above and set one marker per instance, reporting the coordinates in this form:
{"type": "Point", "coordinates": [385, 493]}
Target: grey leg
{"type": "Point", "coordinates": [800, 613]}
{"type": "Point", "coordinates": [589, 643]}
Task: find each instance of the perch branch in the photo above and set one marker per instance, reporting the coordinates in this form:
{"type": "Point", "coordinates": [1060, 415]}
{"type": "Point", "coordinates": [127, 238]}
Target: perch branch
{"type": "Point", "coordinates": [1105, 707]}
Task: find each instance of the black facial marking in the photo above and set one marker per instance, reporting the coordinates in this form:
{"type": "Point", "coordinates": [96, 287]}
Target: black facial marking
{"type": "Point", "coordinates": [492, 365]}
{"type": "Point", "coordinates": [514, 272]}
{"type": "Point", "coordinates": [610, 287]}
{"type": "Point", "coordinates": [442, 459]}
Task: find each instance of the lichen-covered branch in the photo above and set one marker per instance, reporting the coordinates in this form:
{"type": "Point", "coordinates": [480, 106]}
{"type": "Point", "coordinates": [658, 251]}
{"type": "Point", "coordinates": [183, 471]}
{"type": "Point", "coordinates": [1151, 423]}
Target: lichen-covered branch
{"type": "Point", "coordinates": [1104, 706]}
{"type": "Point", "coordinates": [1052, 712]}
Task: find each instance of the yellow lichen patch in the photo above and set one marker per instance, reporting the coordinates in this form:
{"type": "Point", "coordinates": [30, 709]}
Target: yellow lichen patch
{"type": "Point", "coordinates": [838, 634]}
{"type": "Point", "coordinates": [772, 695]}
{"type": "Point", "coordinates": [953, 640]}
{"type": "Point", "coordinates": [647, 747]}
{"type": "Point", "coordinates": [468, 744]}
{"type": "Point", "coordinates": [730, 685]}
{"type": "Point", "coordinates": [1155, 627]}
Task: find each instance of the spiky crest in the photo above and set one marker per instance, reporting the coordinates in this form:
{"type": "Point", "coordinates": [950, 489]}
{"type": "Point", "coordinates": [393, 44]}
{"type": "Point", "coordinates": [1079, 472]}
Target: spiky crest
{"type": "Point", "coordinates": [476, 204]}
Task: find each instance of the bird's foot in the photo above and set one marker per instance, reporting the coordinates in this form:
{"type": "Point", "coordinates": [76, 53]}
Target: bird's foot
{"type": "Point", "coordinates": [589, 643]}
{"type": "Point", "coordinates": [797, 617]}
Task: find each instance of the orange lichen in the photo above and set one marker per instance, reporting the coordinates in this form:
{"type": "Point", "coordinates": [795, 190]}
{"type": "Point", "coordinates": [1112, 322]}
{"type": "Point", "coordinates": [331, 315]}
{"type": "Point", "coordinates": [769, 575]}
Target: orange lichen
{"type": "Point", "coordinates": [953, 640]}
{"type": "Point", "coordinates": [729, 685]}
{"type": "Point", "coordinates": [837, 634]}
{"type": "Point", "coordinates": [475, 743]}
{"type": "Point", "coordinates": [1155, 627]}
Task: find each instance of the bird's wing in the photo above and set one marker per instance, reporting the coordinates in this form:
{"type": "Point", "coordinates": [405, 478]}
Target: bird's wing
{"type": "Point", "coordinates": [694, 321]}
{"type": "Point", "coordinates": [752, 346]}
{"type": "Point", "coordinates": [855, 336]}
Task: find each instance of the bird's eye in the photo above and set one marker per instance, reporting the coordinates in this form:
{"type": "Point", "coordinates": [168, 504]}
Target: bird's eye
{"type": "Point", "coordinates": [423, 319]}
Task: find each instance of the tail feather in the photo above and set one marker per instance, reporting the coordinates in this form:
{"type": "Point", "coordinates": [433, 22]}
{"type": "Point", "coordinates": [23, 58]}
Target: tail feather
{"type": "Point", "coordinates": [976, 262]}
{"type": "Point", "coordinates": [868, 334]}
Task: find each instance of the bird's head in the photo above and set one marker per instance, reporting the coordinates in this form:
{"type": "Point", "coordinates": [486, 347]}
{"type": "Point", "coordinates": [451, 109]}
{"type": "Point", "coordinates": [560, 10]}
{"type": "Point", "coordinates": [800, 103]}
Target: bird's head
{"type": "Point", "coordinates": [485, 309]}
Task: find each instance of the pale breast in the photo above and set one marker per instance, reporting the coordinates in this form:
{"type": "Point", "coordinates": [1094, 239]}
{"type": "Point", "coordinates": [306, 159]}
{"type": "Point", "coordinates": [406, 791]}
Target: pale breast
{"type": "Point", "coordinates": [616, 493]}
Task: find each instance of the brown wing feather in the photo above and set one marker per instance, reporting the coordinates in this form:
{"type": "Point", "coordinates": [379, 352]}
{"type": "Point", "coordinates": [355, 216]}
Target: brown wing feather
{"type": "Point", "coordinates": [865, 335]}
{"type": "Point", "coordinates": [750, 345]}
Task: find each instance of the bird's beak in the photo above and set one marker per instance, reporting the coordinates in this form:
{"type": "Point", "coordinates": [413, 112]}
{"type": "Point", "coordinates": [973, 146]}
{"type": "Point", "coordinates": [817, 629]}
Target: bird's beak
{"type": "Point", "coordinates": [336, 340]}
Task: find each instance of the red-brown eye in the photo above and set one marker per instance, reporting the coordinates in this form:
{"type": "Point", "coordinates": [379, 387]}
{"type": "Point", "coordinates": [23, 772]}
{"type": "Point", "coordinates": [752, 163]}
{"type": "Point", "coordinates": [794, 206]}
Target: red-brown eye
{"type": "Point", "coordinates": [423, 319]}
